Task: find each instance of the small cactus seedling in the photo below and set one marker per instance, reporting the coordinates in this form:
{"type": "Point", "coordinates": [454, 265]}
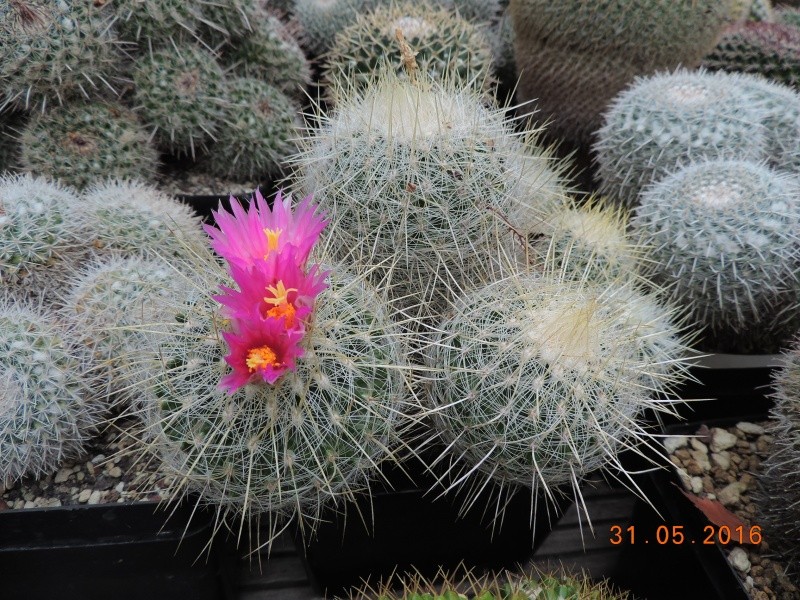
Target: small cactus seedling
{"type": "Point", "coordinates": [46, 415]}
{"type": "Point", "coordinates": [447, 46]}
{"type": "Point", "coordinates": [260, 127]}
{"type": "Point", "coordinates": [724, 242]}
{"type": "Point", "coordinates": [53, 51]}
{"type": "Point", "coordinates": [179, 95]}
{"type": "Point", "coordinates": [542, 380]}
{"type": "Point", "coordinates": [80, 143]}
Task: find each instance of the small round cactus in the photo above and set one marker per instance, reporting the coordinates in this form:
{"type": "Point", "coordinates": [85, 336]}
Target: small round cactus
{"type": "Point", "coordinates": [144, 21]}
{"type": "Point", "coordinates": [54, 51]}
{"type": "Point", "coordinates": [179, 95]}
{"type": "Point", "coordinates": [321, 20]}
{"type": "Point", "coordinates": [260, 127]}
{"type": "Point", "coordinates": [447, 46]}
{"type": "Point", "coordinates": [724, 242]}
{"type": "Point", "coordinates": [542, 380]}
{"type": "Point", "coordinates": [46, 414]}
{"type": "Point", "coordinates": [80, 143]}
{"type": "Point", "coordinates": [667, 120]}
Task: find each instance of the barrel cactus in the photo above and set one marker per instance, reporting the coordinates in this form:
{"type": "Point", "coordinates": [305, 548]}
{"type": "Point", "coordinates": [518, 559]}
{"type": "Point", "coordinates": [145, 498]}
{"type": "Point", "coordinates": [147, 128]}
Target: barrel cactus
{"type": "Point", "coordinates": [80, 143]}
{"type": "Point", "coordinates": [724, 243]}
{"type": "Point", "coordinates": [46, 411]}
{"type": "Point", "coordinates": [666, 120]}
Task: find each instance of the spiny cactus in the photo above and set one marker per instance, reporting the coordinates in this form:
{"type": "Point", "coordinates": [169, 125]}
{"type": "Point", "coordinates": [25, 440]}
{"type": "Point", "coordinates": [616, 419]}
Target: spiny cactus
{"type": "Point", "coordinates": [260, 127]}
{"type": "Point", "coordinates": [466, 585]}
{"type": "Point", "coordinates": [761, 11]}
{"type": "Point", "coordinates": [132, 217]}
{"type": "Point", "coordinates": [179, 94]}
{"type": "Point", "coordinates": [724, 242]}
{"type": "Point", "coordinates": [475, 11]}
{"type": "Point", "coordinates": [80, 143]}
{"type": "Point", "coordinates": [768, 49]}
{"type": "Point", "coordinates": [414, 177]}
{"type": "Point", "coordinates": [314, 437]}
{"type": "Point", "coordinates": [447, 46]}
{"type": "Point", "coordinates": [786, 15]}
{"type": "Point", "coordinates": [541, 380]}
{"type": "Point", "coordinates": [667, 120]}
{"type": "Point", "coordinates": [9, 142]}
{"type": "Point", "coordinates": [46, 415]}
{"type": "Point", "coordinates": [42, 235]}
{"type": "Point", "coordinates": [779, 501]}
{"type": "Point", "coordinates": [54, 51]}
{"type": "Point", "coordinates": [575, 56]}
{"type": "Point", "coordinates": [321, 20]}
{"type": "Point", "coordinates": [145, 21]}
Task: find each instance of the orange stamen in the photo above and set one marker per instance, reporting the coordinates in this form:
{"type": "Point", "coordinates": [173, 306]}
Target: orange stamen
{"type": "Point", "coordinates": [261, 357]}
{"type": "Point", "coordinates": [283, 310]}
{"type": "Point", "coordinates": [281, 307]}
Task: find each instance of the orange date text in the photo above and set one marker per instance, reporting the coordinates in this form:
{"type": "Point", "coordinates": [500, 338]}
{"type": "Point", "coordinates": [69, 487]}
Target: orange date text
{"type": "Point", "coordinates": [677, 535]}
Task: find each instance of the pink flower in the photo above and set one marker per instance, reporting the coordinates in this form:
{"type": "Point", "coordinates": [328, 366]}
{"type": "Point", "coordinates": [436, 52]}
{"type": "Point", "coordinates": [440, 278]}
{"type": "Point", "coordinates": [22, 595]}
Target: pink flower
{"type": "Point", "coordinates": [261, 350]}
{"type": "Point", "coordinates": [248, 236]}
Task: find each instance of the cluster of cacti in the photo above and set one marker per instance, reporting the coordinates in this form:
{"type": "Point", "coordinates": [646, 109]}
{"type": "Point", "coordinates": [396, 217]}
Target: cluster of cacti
{"type": "Point", "coordinates": [79, 142]}
{"type": "Point", "coordinates": [575, 56]}
{"type": "Point", "coordinates": [446, 45]}
{"type": "Point", "coordinates": [46, 414]}
{"type": "Point", "coordinates": [761, 48]}
{"type": "Point", "coordinates": [466, 585]}
{"type": "Point", "coordinates": [779, 482]}
{"type": "Point", "coordinates": [724, 243]}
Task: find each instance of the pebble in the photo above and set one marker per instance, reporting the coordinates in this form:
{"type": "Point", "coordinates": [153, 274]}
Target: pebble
{"type": "Point", "coordinates": [95, 497]}
{"type": "Point", "coordinates": [697, 485]}
{"type": "Point", "coordinates": [62, 475]}
{"type": "Point", "coordinates": [721, 459]}
{"type": "Point", "coordinates": [750, 428]}
{"type": "Point", "coordinates": [671, 444]}
{"type": "Point", "coordinates": [738, 558]}
{"type": "Point", "coordinates": [730, 494]}
{"type": "Point", "coordinates": [115, 472]}
{"type": "Point", "coordinates": [701, 458]}
{"type": "Point", "coordinates": [29, 504]}
{"type": "Point", "coordinates": [698, 445]}
{"type": "Point", "coordinates": [83, 497]}
{"type": "Point", "coordinates": [98, 459]}
{"type": "Point", "coordinates": [722, 440]}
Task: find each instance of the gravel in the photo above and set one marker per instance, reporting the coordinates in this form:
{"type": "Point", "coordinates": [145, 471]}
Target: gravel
{"type": "Point", "coordinates": [730, 476]}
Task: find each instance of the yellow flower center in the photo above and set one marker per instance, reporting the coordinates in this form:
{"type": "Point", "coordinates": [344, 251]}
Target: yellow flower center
{"type": "Point", "coordinates": [261, 358]}
{"type": "Point", "coordinates": [272, 239]}
{"type": "Point", "coordinates": [281, 307]}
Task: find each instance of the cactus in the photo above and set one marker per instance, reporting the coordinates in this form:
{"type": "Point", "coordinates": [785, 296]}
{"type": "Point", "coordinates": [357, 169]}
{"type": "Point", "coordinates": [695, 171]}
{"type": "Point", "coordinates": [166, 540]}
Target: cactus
{"type": "Point", "coordinates": [768, 49]}
{"type": "Point", "coordinates": [144, 21]}
{"type": "Point", "coordinates": [261, 125]}
{"type": "Point", "coordinates": [54, 51]}
{"type": "Point", "coordinates": [474, 11]}
{"type": "Point", "coordinates": [501, 37]}
{"type": "Point", "coordinates": [786, 15]}
{"type": "Point", "coordinates": [543, 380]}
{"type": "Point", "coordinates": [9, 144]}
{"type": "Point", "coordinates": [46, 415]}
{"type": "Point", "coordinates": [179, 94]}
{"type": "Point", "coordinates": [42, 235]}
{"type": "Point", "coordinates": [414, 177]}
{"type": "Point", "coordinates": [466, 585]}
{"type": "Point", "coordinates": [666, 120]}
{"type": "Point", "coordinates": [761, 11]}
{"type": "Point", "coordinates": [724, 242]}
{"type": "Point", "coordinates": [575, 56]}
{"type": "Point", "coordinates": [269, 52]}
{"type": "Point", "coordinates": [779, 500]}
{"type": "Point", "coordinates": [131, 217]}
{"type": "Point", "coordinates": [447, 46]}
{"type": "Point", "coordinates": [321, 20]}
{"type": "Point", "coordinates": [79, 143]}
{"type": "Point", "coordinates": [315, 436]}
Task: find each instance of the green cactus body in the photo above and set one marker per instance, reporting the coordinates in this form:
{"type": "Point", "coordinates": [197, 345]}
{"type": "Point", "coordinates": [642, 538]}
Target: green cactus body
{"type": "Point", "coordinates": [768, 49]}
{"type": "Point", "coordinates": [414, 179]}
{"type": "Point", "coordinates": [46, 415]}
{"type": "Point", "coordinates": [321, 20]}
{"type": "Point", "coordinates": [447, 46]}
{"type": "Point", "coordinates": [667, 120]}
{"type": "Point", "coordinates": [575, 56]}
{"type": "Point", "coordinates": [54, 51]}
{"type": "Point", "coordinates": [544, 380]}
{"type": "Point", "coordinates": [269, 52]}
{"type": "Point", "coordinates": [179, 95]}
{"type": "Point", "coordinates": [144, 21]}
{"type": "Point", "coordinates": [313, 437]}
{"type": "Point", "coordinates": [474, 11]}
{"type": "Point", "coordinates": [131, 217]}
{"type": "Point", "coordinates": [724, 242]}
{"type": "Point", "coordinates": [80, 143]}
{"type": "Point", "coordinates": [786, 15]}
{"type": "Point", "coordinates": [261, 125]}
{"type": "Point", "coordinates": [41, 225]}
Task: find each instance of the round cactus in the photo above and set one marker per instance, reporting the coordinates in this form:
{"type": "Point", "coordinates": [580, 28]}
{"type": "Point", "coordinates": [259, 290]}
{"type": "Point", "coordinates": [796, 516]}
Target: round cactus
{"type": "Point", "coordinates": [46, 415]}
{"type": "Point", "coordinates": [42, 228]}
{"type": "Point", "coordinates": [724, 243]}
{"type": "Point", "coordinates": [475, 11]}
{"type": "Point", "coordinates": [314, 436]}
{"type": "Point", "coordinates": [131, 217]}
{"type": "Point", "coordinates": [80, 143]}
{"type": "Point", "coordinates": [543, 380]}
{"type": "Point", "coordinates": [768, 49]}
{"type": "Point", "coordinates": [146, 20]}
{"type": "Point", "coordinates": [259, 132]}
{"type": "Point", "coordinates": [54, 51]}
{"type": "Point", "coordinates": [321, 20]}
{"type": "Point", "coordinates": [268, 51]}
{"type": "Point", "coordinates": [447, 46]}
{"type": "Point", "coordinates": [179, 95]}
{"type": "Point", "coordinates": [667, 120]}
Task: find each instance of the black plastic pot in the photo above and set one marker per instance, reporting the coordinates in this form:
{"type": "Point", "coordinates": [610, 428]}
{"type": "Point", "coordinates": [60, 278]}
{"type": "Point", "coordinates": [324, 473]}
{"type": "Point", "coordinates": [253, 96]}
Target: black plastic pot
{"type": "Point", "coordinates": [119, 551]}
